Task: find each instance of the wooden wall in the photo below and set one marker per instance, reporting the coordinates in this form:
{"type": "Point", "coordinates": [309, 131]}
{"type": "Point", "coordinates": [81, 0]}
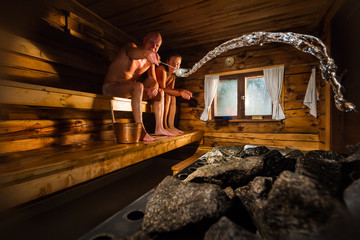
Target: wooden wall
{"type": "Point", "coordinates": [56, 43]}
{"type": "Point", "coordinates": [299, 129]}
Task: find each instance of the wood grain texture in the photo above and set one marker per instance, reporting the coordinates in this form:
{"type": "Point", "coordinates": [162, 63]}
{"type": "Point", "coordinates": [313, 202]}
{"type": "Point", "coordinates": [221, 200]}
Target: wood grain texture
{"type": "Point", "coordinates": [29, 176]}
{"type": "Point", "coordinates": [183, 164]}
{"type": "Point", "coordinates": [293, 131]}
{"type": "Point", "coordinates": [196, 22]}
{"type": "Point", "coordinates": [34, 95]}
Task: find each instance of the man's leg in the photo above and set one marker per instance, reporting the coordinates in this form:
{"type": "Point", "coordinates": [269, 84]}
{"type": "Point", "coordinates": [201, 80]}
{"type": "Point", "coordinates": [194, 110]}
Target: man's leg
{"type": "Point", "coordinates": [159, 115]}
{"type": "Point", "coordinates": [172, 112]}
{"type": "Point", "coordinates": [135, 91]}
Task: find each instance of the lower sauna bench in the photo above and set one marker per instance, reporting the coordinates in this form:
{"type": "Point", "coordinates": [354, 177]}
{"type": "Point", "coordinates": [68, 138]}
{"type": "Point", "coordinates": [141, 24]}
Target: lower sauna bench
{"type": "Point", "coordinates": [30, 175]}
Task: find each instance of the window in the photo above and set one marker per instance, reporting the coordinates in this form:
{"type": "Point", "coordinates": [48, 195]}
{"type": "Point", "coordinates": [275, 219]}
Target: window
{"type": "Point", "coordinates": [242, 96]}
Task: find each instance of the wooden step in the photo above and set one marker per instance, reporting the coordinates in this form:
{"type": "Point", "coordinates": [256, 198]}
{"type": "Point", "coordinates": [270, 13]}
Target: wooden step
{"type": "Point", "coordinates": [29, 175]}
{"type": "Point", "coordinates": [183, 164]}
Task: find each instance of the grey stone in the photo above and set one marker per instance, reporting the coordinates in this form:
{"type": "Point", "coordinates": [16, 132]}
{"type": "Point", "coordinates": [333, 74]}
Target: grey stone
{"type": "Point", "coordinates": [225, 229]}
{"type": "Point", "coordinates": [294, 154]}
{"type": "Point", "coordinates": [352, 198]}
{"type": "Point", "coordinates": [235, 173]}
{"type": "Point", "coordinates": [350, 169]}
{"type": "Point", "coordinates": [275, 163]}
{"type": "Point", "coordinates": [296, 208]}
{"type": "Point", "coordinates": [352, 149]}
{"type": "Point", "coordinates": [221, 154]}
{"type": "Point", "coordinates": [176, 204]}
{"type": "Point", "coordinates": [257, 151]}
{"type": "Point", "coordinates": [254, 195]}
{"type": "Point", "coordinates": [233, 150]}
{"type": "Point", "coordinates": [215, 156]}
{"type": "Point", "coordinates": [321, 166]}
{"type": "Point", "coordinates": [321, 154]}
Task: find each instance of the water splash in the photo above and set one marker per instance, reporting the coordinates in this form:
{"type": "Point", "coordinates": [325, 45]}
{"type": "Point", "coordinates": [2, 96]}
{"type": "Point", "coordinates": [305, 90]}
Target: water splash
{"type": "Point", "coordinates": [306, 43]}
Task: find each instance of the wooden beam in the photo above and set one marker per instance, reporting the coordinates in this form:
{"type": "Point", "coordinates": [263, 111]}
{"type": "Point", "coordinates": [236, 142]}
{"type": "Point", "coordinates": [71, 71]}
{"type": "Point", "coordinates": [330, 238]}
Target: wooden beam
{"type": "Point", "coordinates": [244, 70]}
{"type": "Point", "coordinates": [298, 141]}
{"type": "Point", "coordinates": [32, 175]}
{"type": "Point", "coordinates": [35, 95]}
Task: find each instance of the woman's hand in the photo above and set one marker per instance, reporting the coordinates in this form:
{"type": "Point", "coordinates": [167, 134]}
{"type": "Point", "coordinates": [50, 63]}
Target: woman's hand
{"type": "Point", "coordinates": [185, 94]}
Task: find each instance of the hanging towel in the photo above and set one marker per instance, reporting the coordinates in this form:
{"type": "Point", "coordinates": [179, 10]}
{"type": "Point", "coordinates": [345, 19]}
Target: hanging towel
{"type": "Point", "coordinates": [311, 95]}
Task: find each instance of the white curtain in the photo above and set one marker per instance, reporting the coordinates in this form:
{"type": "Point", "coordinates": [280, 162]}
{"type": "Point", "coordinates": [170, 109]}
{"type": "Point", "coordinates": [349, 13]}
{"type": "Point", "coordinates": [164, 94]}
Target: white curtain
{"type": "Point", "coordinates": [274, 80]}
{"type": "Point", "coordinates": [211, 82]}
{"type": "Point", "coordinates": [311, 95]}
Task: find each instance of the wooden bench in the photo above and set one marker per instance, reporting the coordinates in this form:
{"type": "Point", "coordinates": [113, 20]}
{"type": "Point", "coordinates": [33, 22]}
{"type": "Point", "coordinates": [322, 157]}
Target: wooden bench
{"type": "Point", "coordinates": [52, 139]}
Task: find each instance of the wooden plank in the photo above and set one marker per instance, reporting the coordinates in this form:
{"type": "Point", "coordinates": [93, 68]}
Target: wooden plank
{"type": "Point", "coordinates": [44, 174]}
{"type": "Point", "coordinates": [50, 79]}
{"type": "Point", "coordinates": [20, 145]}
{"type": "Point", "coordinates": [20, 112]}
{"type": "Point", "coordinates": [48, 53]}
{"type": "Point", "coordinates": [269, 136]}
{"type": "Point", "coordinates": [298, 141]}
{"type": "Point", "coordinates": [111, 33]}
{"type": "Point", "coordinates": [247, 127]}
{"type": "Point", "coordinates": [15, 60]}
{"type": "Point", "coordinates": [32, 95]}
{"type": "Point", "coordinates": [33, 128]}
{"type": "Point", "coordinates": [183, 164]}
{"type": "Point", "coordinates": [25, 144]}
{"type": "Point", "coordinates": [245, 70]}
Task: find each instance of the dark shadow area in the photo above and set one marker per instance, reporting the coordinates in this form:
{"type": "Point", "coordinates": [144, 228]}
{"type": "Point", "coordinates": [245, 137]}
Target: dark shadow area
{"type": "Point", "coordinates": [74, 212]}
{"type": "Point", "coordinates": [345, 49]}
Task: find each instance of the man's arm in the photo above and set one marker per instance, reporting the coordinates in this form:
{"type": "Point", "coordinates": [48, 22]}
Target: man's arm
{"type": "Point", "coordinates": [135, 53]}
{"type": "Point", "coordinates": [152, 91]}
{"type": "Point", "coordinates": [161, 76]}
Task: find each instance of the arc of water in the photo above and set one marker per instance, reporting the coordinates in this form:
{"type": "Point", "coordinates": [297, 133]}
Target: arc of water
{"type": "Point", "coordinates": [306, 43]}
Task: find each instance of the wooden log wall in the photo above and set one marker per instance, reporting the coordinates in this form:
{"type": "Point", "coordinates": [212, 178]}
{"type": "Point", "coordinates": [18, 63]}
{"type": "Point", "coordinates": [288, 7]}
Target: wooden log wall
{"type": "Point", "coordinates": [65, 46]}
{"type": "Point", "coordinates": [57, 44]}
{"type": "Point", "coordinates": [33, 117]}
{"type": "Point", "coordinates": [299, 129]}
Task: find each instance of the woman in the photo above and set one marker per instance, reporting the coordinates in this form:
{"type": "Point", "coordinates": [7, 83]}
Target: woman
{"type": "Point", "coordinates": [166, 79]}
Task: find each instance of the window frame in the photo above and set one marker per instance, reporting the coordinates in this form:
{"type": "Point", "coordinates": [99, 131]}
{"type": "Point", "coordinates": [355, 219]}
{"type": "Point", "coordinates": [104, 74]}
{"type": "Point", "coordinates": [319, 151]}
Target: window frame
{"type": "Point", "coordinates": [241, 103]}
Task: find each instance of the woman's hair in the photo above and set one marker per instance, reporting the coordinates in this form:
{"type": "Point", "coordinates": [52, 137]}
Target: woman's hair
{"type": "Point", "coordinates": [170, 55]}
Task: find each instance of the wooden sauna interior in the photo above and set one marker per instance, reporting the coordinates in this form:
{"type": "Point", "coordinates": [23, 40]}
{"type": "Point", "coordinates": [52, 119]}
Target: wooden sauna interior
{"type": "Point", "coordinates": [55, 124]}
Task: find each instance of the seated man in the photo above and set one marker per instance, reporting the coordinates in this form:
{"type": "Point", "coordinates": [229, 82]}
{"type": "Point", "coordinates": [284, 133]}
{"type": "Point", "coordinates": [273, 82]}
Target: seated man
{"type": "Point", "coordinates": [129, 64]}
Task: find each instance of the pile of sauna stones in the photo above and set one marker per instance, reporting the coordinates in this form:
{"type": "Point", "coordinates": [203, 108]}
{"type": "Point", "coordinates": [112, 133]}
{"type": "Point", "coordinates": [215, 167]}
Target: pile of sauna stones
{"type": "Point", "coordinates": [259, 193]}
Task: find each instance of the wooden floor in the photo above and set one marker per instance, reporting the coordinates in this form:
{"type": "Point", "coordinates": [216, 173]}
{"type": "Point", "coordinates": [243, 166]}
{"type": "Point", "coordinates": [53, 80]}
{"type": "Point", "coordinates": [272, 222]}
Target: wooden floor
{"type": "Point", "coordinates": [33, 174]}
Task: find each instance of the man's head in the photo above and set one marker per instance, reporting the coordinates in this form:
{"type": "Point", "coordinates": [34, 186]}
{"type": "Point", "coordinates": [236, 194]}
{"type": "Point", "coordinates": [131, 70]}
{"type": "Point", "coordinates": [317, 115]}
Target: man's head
{"type": "Point", "coordinates": [152, 41]}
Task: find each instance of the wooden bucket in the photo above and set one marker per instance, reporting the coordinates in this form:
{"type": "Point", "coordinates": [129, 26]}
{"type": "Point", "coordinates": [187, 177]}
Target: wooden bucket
{"type": "Point", "coordinates": [127, 132]}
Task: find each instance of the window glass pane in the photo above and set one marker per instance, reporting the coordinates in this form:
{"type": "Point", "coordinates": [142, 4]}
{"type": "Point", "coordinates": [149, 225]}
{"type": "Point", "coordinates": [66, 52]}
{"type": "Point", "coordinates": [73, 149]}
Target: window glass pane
{"type": "Point", "coordinates": [257, 99]}
{"type": "Point", "coordinates": [227, 98]}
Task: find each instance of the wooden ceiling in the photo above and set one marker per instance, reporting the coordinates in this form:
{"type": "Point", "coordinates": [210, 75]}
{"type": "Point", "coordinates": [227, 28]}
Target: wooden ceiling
{"type": "Point", "coordinates": [191, 23]}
